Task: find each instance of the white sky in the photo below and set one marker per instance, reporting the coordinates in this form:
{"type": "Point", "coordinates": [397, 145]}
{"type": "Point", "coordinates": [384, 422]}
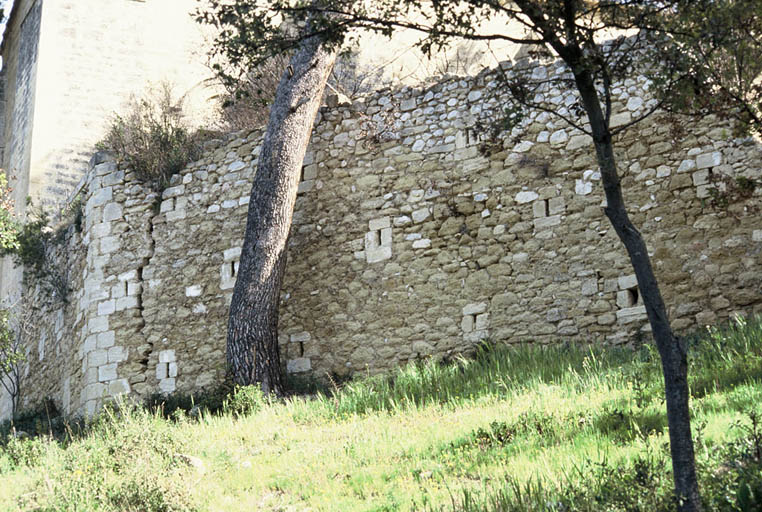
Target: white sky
{"type": "Point", "coordinates": [6, 5]}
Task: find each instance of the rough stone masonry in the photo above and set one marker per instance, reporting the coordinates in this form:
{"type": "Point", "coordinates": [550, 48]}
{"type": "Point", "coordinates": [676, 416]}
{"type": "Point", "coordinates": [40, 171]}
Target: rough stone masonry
{"type": "Point", "coordinates": [415, 235]}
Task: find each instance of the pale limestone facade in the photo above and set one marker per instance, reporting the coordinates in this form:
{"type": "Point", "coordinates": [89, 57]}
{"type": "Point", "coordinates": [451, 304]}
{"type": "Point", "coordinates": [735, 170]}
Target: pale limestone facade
{"type": "Point", "coordinates": [411, 238]}
{"type": "Point", "coordinates": [68, 66]}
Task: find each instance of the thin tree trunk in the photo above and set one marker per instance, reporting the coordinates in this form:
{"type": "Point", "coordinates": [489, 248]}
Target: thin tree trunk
{"type": "Point", "coordinates": [252, 344]}
{"type": "Point", "coordinates": [672, 349]}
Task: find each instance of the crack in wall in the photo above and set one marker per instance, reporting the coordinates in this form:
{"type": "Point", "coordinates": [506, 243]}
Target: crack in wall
{"type": "Point", "coordinates": [148, 346]}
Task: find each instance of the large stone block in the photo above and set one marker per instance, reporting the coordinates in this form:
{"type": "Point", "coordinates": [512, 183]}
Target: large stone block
{"type": "Point", "coordinates": [380, 223]}
{"type": "Point", "coordinates": [129, 302]}
{"type": "Point", "coordinates": [547, 222]}
{"type": "Point", "coordinates": [194, 290]}
{"type": "Point", "coordinates": [589, 286]}
{"type": "Point", "coordinates": [167, 356]}
{"type": "Point", "coordinates": [526, 196]}
{"type": "Point", "coordinates": [167, 386]}
{"type": "Point", "coordinates": [106, 339]}
{"type": "Point", "coordinates": [378, 254]}
{"type": "Point", "coordinates": [101, 197]}
{"type": "Point", "coordinates": [628, 281]}
{"type": "Point", "coordinates": [110, 244]}
{"type": "Point", "coordinates": [628, 313]}
{"type": "Point", "coordinates": [97, 324]}
{"type": "Point", "coordinates": [107, 372]}
{"type": "Point", "coordinates": [117, 354]}
{"type": "Point", "coordinates": [421, 215]}
{"type": "Point", "coordinates": [707, 160]}
{"type": "Point", "coordinates": [474, 309]}
{"type": "Point", "coordinates": [118, 387]}
{"type": "Point", "coordinates": [298, 365]}
{"type": "Point", "coordinates": [94, 391]}
{"type": "Point", "coordinates": [97, 358]}
{"type": "Point", "coordinates": [106, 307]}
{"type": "Point", "coordinates": [112, 211]}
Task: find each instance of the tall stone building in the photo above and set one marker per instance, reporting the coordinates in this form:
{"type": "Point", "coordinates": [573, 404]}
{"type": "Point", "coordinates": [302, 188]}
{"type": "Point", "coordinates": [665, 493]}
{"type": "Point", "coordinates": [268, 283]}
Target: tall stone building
{"type": "Point", "coordinates": [68, 65]}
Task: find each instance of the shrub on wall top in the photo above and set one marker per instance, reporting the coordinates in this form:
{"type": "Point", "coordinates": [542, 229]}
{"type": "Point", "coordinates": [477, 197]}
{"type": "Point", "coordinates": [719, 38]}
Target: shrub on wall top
{"type": "Point", "coordinates": [152, 138]}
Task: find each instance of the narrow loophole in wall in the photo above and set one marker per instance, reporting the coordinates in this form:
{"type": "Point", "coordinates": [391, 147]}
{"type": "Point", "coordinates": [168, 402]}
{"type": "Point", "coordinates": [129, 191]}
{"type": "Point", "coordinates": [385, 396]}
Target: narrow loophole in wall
{"type": "Point", "coordinates": [301, 349]}
{"type": "Point", "coordinates": [233, 268]}
{"type": "Point", "coordinates": [628, 298]}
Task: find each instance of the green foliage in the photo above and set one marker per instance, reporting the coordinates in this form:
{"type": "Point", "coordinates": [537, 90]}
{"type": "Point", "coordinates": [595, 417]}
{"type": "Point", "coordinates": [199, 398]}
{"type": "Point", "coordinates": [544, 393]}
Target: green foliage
{"type": "Point", "coordinates": [499, 434]}
{"type": "Point", "coordinates": [18, 452]}
{"type": "Point", "coordinates": [8, 226]}
{"type": "Point", "coordinates": [493, 370]}
{"type": "Point", "coordinates": [703, 56]}
{"type": "Point", "coordinates": [42, 420]}
{"type": "Point", "coordinates": [29, 242]}
{"type": "Point", "coordinates": [225, 399]}
{"type": "Point", "coordinates": [169, 406]}
{"type": "Point", "coordinates": [560, 429]}
{"type": "Point", "coordinates": [709, 62]}
{"type": "Point", "coordinates": [123, 463]}
{"type": "Point", "coordinates": [244, 401]}
{"type": "Point", "coordinates": [73, 214]}
{"type": "Point", "coordinates": [246, 102]}
{"type": "Point", "coordinates": [726, 190]}
{"type": "Point", "coordinates": [12, 357]}
{"type": "Point", "coordinates": [34, 240]}
{"type": "Point", "coordinates": [152, 138]}
{"type": "Point", "coordinates": [731, 477]}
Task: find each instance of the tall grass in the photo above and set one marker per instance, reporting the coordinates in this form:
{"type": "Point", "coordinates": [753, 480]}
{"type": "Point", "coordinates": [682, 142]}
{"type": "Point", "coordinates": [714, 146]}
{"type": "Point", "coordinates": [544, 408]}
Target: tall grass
{"type": "Point", "coordinates": [511, 428]}
{"type": "Point", "coordinates": [719, 358]}
{"type": "Point", "coordinates": [128, 460]}
{"type": "Point", "coordinates": [494, 371]}
{"type": "Point", "coordinates": [730, 474]}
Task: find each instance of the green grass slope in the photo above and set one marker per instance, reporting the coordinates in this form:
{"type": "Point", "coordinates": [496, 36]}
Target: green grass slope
{"type": "Point", "coordinates": [513, 428]}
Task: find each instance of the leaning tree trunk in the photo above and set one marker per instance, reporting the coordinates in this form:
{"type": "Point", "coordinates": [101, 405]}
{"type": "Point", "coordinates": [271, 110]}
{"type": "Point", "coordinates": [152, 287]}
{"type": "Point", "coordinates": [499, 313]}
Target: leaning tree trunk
{"type": "Point", "coordinates": [672, 349]}
{"type": "Point", "coordinates": [252, 345]}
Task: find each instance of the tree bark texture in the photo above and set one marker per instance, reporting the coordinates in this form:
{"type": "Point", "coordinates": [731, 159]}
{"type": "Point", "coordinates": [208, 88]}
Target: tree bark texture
{"type": "Point", "coordinates": [672, 349]}
{"type": "Point", "coordinates": [253, 354]}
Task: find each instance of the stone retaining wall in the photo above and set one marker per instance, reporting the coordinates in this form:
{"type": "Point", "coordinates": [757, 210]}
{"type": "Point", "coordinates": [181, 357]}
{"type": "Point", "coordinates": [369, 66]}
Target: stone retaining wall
{"type": "Point", "coordinates": [414, 236]}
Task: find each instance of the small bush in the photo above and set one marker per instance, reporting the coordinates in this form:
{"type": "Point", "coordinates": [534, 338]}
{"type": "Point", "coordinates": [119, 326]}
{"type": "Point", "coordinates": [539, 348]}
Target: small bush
{"type": "Point", "coordinates": [152, 139]}
{"type": "Point", "coordinates": [245, 105]}
{"type": "Point", "coordinates": [24, 452]}
{"type": "Point", "coordinates": [12, 358]}
{"type": "Point", "coordinates": [246, 102]}
{"type": "Point", "coordinates": [8, 227]}
{"type": "Point", "coordinates": [31, 249]}
{"type": "Point", "coordinates": [44, 419]}
{"type": "Point", "coordinates": [169, 406]}
{"type": "Point", "coordinates": [244, 400]}
{"type": "Point", "coordinates": [127, 461]}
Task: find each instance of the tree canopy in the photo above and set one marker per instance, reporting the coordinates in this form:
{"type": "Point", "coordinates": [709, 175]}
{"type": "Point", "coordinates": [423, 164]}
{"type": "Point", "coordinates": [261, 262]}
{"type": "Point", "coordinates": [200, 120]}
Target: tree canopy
{"type": "Point", "coordinates": [707, 59]}
{"type": "Point", "coordinates": [703, 55]}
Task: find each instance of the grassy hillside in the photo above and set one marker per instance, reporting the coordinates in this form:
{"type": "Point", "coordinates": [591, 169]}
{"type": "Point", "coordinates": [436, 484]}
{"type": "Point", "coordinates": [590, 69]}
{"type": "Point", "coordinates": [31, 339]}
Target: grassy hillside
{"type": "Point", "coordinates": [523, 428]}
